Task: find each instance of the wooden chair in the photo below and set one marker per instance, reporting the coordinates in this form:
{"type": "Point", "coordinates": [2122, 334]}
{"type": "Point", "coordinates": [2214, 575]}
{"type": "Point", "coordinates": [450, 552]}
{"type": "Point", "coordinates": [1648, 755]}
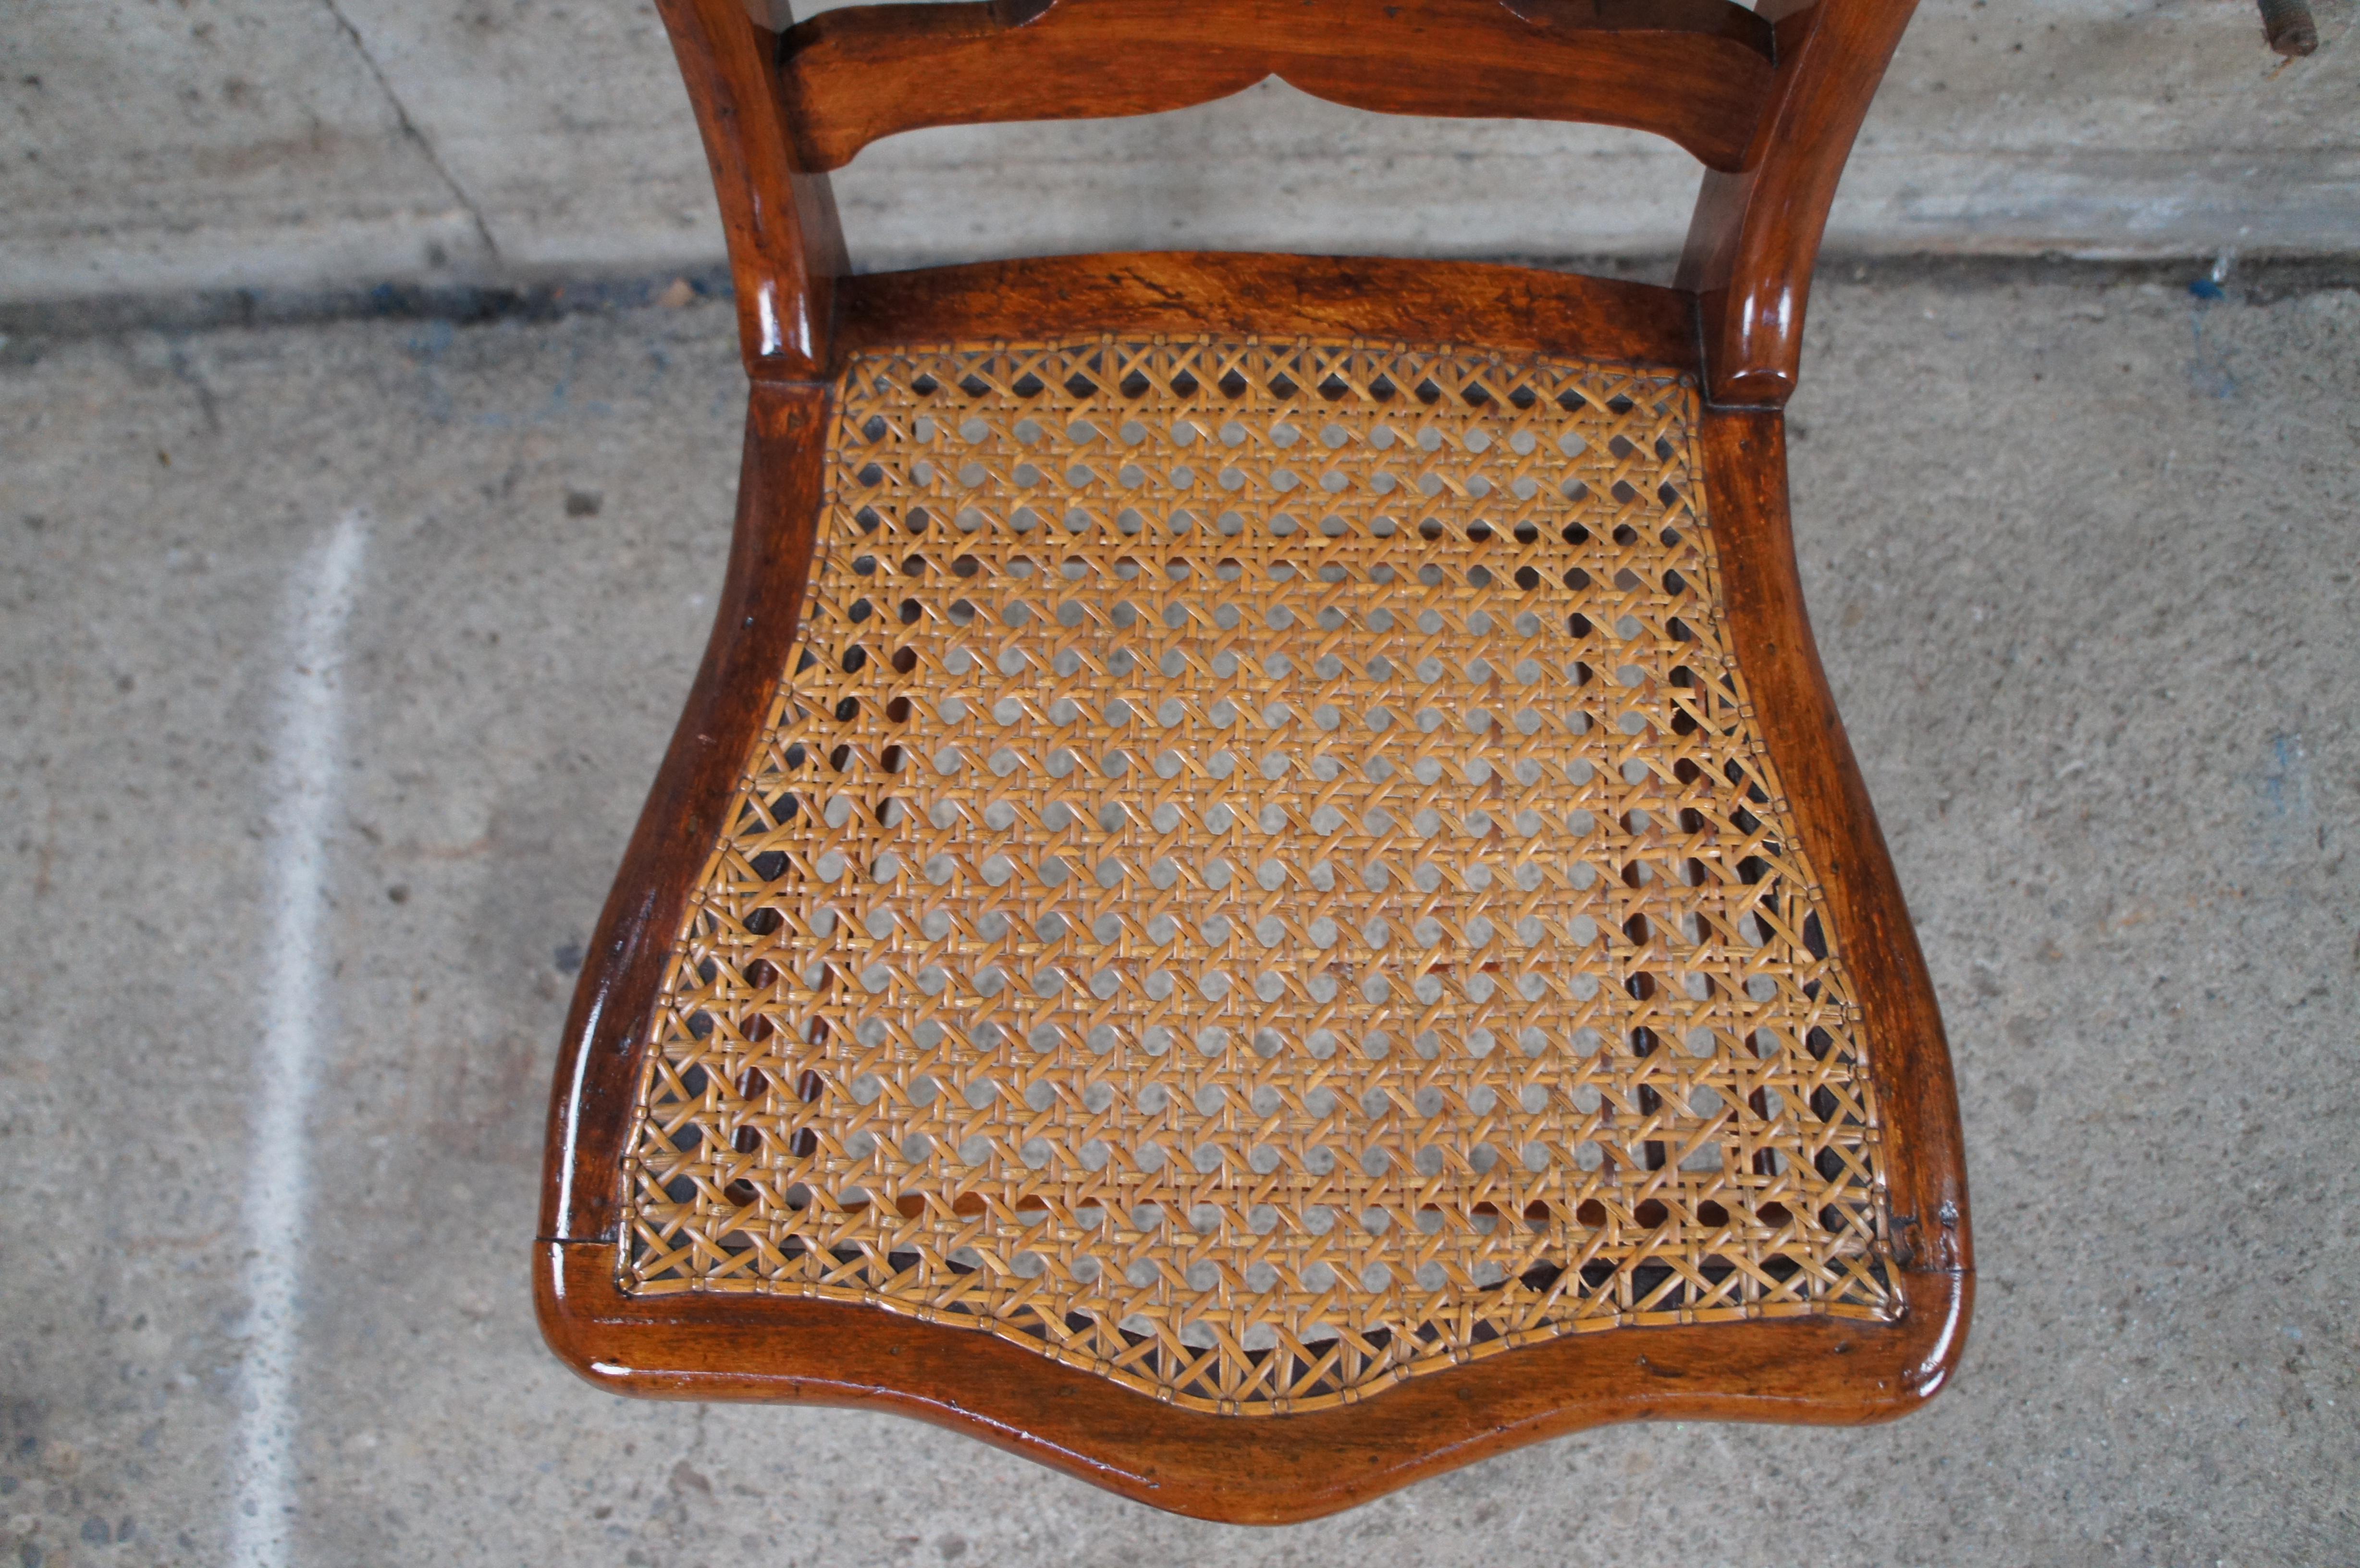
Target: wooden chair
{"type": "Point", "coordinates": [1260, 894]}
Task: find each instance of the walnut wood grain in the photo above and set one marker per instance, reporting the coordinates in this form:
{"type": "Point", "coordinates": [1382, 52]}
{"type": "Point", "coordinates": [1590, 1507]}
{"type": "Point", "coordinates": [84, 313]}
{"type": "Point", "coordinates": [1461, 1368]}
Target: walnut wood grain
{"type": "Point", "coordinates": [1693, 71]}
{"type": "Point", "coordinates": [605, 1034]}
{"type": "Point", "coordinates": [709, 1346]}
{"type": "Point", "coordinates": [1512, 309]}
{"type": "Point", "coordinates": [1756, 232]}
{"type": "Point", "coordinates": [1773, 115]}
{"type": "Point", "coordinates": [1771, 111]}
{"type": "Point", "coordinates": [786, 249]}
{"type": "Point", "coordinates": [1279, 1469]}
{"type": "Point", "coordinates": [1909, 1062]}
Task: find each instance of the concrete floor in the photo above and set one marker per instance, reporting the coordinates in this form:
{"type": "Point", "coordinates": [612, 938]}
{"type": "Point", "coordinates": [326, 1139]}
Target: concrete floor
{"type": "Point", "coordinates": [292, 144]}
{"type": "Point", "coordinates": [2083, 562]}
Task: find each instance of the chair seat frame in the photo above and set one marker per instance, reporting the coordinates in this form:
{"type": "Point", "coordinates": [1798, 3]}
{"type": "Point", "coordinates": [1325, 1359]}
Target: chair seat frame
{"type": "Point", "coordinates": [1772, 110]}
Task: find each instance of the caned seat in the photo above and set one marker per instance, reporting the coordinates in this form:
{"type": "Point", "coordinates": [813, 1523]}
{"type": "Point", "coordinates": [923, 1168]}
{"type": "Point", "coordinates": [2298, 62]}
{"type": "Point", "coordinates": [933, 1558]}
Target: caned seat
{"type": "Point", "coordinates": [1261, 893]}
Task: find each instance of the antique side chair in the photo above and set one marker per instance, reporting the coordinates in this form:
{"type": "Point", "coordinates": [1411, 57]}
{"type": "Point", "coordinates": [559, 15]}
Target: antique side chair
{"type": "Point", "coordinates": [1261, 893]}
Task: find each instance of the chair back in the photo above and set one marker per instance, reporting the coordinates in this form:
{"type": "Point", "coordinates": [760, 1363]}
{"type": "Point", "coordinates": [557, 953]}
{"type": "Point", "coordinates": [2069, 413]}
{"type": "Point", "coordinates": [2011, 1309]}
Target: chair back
{"type": "Point", "coordinates": [1768, 101]}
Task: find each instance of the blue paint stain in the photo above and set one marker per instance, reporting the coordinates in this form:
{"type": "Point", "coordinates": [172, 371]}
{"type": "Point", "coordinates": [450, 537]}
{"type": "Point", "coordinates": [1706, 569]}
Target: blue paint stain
{"type": "Point", "coordinates": [2206, 371]}
{"type": "Point", "coordinates": [427, 346]}
{"type": "Point", "coordinates": [2288, 827]}
{"type": "Point", "coordinates": [559, 408]}
{"type": "Point", "coordinates": [2286, 768]}
{"type": "Point", "coordinates": [2205, 289]}
{"type": "Point", "coordinates": [434, 342]}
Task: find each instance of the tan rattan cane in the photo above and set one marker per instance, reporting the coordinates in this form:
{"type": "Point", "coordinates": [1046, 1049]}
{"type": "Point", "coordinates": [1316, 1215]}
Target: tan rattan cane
{"type": "Point", "coordinates": [1261, 881]}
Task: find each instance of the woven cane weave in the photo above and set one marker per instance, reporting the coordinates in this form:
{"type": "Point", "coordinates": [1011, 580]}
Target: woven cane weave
{"type": "Point", "coordinates": [1261, 882]}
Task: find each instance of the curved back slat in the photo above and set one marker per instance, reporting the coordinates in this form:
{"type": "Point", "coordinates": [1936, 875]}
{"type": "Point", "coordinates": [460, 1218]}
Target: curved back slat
{"type": "Point", "coordinates": [1769, 100]}
{"type": "Point", "coordinates": [1694, 71]}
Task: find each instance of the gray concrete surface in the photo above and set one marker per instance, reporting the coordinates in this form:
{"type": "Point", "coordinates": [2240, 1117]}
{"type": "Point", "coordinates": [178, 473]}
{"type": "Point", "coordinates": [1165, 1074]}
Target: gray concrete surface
{"type": "Point", "coordinates": [2083, 563]}
{"type": "Point", "coordinates": [156, 147]}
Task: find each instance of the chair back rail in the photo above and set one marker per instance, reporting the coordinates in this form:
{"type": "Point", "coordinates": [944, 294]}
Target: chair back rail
{"type": "Point", "coordinates": [1693, 71]}
{"type": "Point", "coordinates": [1769, 100]}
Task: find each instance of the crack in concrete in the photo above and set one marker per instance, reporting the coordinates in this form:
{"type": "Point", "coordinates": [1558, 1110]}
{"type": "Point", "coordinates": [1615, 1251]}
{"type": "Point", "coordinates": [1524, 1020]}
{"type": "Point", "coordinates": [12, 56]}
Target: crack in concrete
{"type": "Point", "coordinates": [28, 326]}
{"type": "Point", "coordinates": [185, 370]}
{"type": "Point", "coordinates": [410, 128]}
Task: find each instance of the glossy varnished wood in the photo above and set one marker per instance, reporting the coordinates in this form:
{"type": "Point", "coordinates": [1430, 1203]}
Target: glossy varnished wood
{"type": "Point", "coordinates": [1755, 235]}
{"type": "Point", "coordinates": [1908, 1059]}
{"type": "Point", "coordinates": [786, 247]}
{"type": "Point", "coordinates": [1261, 1470]}
{"type": "Point", "coordinates": [770, 561]}
{"type": "Point", "coordinates": [1512, 309]}
{"type": "Point", "coordinates": [1693, 71]}
{"type": "Point", "coordinates": [715, 1346]}
{"type": "Point", "coordinates": [1774, 114]}
{"type": "Point", "coordinates": [1772, 111]}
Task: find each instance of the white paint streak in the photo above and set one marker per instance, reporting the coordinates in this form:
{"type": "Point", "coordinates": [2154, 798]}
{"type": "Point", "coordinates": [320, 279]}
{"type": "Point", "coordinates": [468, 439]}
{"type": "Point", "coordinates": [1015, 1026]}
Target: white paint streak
{"type": "Point", "coordinates": [300, 799]}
